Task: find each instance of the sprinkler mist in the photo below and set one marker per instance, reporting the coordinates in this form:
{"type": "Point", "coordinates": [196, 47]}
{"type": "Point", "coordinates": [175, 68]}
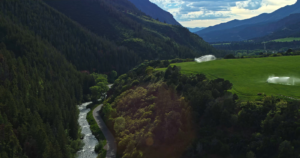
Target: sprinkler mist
{"type": "Point", "coordinates": [205, 58]}
{"type": "Point", "coordinates": [283, 80]}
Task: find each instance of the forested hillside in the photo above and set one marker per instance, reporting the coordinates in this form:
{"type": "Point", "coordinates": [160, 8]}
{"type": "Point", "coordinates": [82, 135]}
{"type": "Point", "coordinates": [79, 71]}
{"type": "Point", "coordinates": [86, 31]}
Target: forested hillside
{"type": "Point", "coordinates": [121, 22]}
{"type": "Point", "coordinates": [169, 114]}
{"type": "Point", "coordinates": [82, 48]}
{"type": "Point", "coordinates": [39, 91]}
{"type": "Point", "coordinates": [124, 39]}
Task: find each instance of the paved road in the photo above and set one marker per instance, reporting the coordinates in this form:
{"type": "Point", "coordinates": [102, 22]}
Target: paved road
{"type": "Point", "coordinates": [111, 143]}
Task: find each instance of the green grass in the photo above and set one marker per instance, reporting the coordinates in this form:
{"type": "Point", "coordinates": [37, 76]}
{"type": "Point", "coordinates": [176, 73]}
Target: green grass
{"type": "Point", "coordinates": [95, 129]}
{"type": "Point", "coordinates": [218, 44]}
{"type": "Point", "coordinates": [249, 76]}
{"type": "Point", "coordinates": [289, 39]}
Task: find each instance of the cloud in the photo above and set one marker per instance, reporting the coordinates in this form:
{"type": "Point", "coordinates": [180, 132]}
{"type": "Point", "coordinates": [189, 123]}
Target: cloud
{"type": "Point", "coordinates": [218, 10]}
{"type": "Point", "coordinates": [250, 4]}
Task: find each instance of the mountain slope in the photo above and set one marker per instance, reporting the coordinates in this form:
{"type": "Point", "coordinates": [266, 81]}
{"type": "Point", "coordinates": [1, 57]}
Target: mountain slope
{"type": "Point", "coordinates": [292, 30]}
{"type": "Point", "coordinates": [84, 49]}
{"type": "Point", "coordinates": [129, 27]}
{"type": "Point", "coordinates": [154, 11]}
{"type": "Point", "coordinates": [260, 19]}
{"type": "Point", "coordinates": [39, 91]}
{"type": "Point", "coordinates": [246, 32]}
{"type": "Point", "coordinates": [196, 29]}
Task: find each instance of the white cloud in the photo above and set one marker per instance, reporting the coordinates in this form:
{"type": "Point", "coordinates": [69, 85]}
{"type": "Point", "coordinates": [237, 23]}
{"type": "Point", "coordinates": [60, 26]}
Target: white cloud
{"type": "Point", "coordinates": [204, 13]}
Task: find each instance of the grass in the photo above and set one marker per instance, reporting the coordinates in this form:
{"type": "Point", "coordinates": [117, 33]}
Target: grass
{"type": "Point", "coordinates": [249, 76]}
{"type": "Point", "coordinates": [96, 130]}
{"type": "Point", "coordinates": [289, 39]}
{"type": "Point", "coordinates": [218, 44]}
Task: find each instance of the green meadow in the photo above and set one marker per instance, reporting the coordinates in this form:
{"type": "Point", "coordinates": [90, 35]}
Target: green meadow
{"type": "Point", "coordinates": [289, 39]}
{"type": "Point", "coordinates": [249, 76]}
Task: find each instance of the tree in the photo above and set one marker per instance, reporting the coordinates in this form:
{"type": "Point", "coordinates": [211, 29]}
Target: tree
{"type": "Point", "coordinates": [285, 149]}
{"type": "Point", "coordinates": [250, 154]}
{"type": "Point", "coordinates": [289, 51]}
{"type": "Point", "coordinates": [119, 124]}
{"type": "Point", "coordinates": [229, 56]}
{"type": "Point", "coordinates": [98, 91]}
{"type": "Point", "coordinates": [112, 76]}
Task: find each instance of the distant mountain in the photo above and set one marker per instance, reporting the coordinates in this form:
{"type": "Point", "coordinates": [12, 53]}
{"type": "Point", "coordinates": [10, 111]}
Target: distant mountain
{"type": "Point", "coordinates": [246, 32]}
{"type": "Point", "coordinates": [258, 20]}
{"type": "Point", "coordinates": [154, 11]}
{"type": "Point", "coordinates": [292, 30]}
{"type": "Point", "coordinates": [196, 29]}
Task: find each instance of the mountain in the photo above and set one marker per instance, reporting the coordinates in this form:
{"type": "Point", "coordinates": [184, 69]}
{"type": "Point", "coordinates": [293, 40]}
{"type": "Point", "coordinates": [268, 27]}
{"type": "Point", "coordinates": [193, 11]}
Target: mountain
{"type": "Point", "coordinates": [154, 11]}
{"type": "Point", "coordinates": [123, 24]}
{"type": "Point", "coordinates": [196, 29]}
{"type": "Point", "coordinates": [292, 30]}
{"type": "Point", "coordinates": [258, 20]}
{"type": "Point", "coordinates": [246, 32]}
{"type": "Point", "coordinates": [39, 90]}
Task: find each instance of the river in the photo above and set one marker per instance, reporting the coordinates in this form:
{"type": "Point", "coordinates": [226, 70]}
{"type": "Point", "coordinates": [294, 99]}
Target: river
{"type": "Point", "coordinates": [89, 139]}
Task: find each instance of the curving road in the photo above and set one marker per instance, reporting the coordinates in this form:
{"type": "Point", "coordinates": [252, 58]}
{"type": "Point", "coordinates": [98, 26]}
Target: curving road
{"type": "Point", "coordinates": [111, 146]}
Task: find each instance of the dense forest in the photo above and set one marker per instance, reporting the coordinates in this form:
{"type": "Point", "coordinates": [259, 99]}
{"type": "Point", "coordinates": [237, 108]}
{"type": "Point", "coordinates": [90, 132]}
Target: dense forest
{"type": "Point", "coordinates": [168, 114]}
{"type": "Point", "coordinates": [121, 22]}
{"type": "Point", "coordinates": [39, 91]}
{"type": "Point", "coordinates": [116, 40]}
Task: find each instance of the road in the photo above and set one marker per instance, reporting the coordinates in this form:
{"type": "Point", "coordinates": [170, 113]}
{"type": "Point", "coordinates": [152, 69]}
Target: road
{"type": "Point", "coordinates": [111, 146]}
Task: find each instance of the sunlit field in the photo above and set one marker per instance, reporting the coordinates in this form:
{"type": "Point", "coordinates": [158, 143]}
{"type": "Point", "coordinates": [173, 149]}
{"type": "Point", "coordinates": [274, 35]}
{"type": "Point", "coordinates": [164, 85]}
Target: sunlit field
{"type": "Point", "coordinates": [249, 76]}
{"type": "Point", "coordinates": [289, 39]}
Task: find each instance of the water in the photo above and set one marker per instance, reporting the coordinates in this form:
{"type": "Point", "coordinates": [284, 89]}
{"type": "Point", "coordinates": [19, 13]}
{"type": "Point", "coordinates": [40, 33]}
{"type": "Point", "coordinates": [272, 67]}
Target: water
{"type": "Point", "coordinates": [205, 58]}
{"type": "Point", "coordinates": [89, 139]}
{"type": "Point", "coordinates": [291, 81]}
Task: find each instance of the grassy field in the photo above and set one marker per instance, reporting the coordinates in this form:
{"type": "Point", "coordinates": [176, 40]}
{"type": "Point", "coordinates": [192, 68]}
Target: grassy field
{"type": "Point", "coordinates": [218, 44]}
{"type": "Point", "coordinates": [289, 39]}
{"type": "Point", "coordinates": [249, 76]}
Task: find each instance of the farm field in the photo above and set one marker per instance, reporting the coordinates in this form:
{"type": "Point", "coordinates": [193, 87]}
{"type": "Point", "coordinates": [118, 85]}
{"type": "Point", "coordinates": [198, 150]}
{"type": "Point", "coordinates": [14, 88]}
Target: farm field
{"type": "Point", "coordinates": [249, 76]}
{"type": "Point", "coordinates": [289, 39]}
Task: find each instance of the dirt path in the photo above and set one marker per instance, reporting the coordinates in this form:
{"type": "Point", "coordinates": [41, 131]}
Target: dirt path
{"type": "Point", "coordinates": [111, 146]}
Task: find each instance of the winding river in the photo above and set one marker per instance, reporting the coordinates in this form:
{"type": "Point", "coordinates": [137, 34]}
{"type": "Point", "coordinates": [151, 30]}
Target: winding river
{"type": "Point", "coordinates": [89, 139]}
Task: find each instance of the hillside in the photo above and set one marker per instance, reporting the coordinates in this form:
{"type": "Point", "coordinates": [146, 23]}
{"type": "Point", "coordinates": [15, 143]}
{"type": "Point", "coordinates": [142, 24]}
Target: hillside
{"type": "Point", "coordinates": [128, 27]}
{"type": "Point", "coordinates": [258, 20]}
{"type": "Point", "coordinates": [246, 32]}
{"type": "Point", "coordinates": [154, 11]}
{"type": "Point", "coordinates": [173, 114]}
{"type": "Point", "coordinates": [292, 30]}
{"type": "Point", "coordinates": [39, 91]}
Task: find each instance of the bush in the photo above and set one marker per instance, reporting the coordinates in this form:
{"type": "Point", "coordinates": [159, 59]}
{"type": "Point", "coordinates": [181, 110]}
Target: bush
{"type": "Point", "coordinates": [99, 147]}
{"type": "Point", "coordinates": [229, 56]}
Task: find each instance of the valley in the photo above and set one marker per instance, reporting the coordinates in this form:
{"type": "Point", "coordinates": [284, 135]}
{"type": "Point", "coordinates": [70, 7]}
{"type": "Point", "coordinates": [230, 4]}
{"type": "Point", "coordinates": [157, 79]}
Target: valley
{"type": "Point", "coordinates": [148, 79]}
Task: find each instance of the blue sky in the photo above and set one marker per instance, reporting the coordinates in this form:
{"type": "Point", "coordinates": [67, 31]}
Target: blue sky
{"type": "Point", "coordinates": [204, 13]}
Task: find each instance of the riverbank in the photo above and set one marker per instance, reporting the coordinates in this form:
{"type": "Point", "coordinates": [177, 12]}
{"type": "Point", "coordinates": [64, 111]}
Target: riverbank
{"type": "Point", "coordinates": [96, 131]}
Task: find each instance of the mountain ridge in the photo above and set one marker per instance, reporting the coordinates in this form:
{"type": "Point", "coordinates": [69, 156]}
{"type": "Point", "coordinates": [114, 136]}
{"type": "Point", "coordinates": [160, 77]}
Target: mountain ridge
{"type": "Point", "coordinates": [260, 19]}
{"type": "Point", "coordinates": [155, 11]}
{"type": "Point", "coordinates": [246, 32]}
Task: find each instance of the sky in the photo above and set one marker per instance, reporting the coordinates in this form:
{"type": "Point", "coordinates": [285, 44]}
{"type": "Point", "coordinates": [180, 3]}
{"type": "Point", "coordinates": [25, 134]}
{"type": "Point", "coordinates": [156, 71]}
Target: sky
{"type": "Point", "coordinates": [204, 13]}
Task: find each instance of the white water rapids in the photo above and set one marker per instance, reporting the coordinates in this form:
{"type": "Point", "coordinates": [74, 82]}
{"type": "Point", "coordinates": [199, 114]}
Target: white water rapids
{"type": "Point", "coordinates": [291, 81]}
{"type": "Point", "coordinates": [89, 139]}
